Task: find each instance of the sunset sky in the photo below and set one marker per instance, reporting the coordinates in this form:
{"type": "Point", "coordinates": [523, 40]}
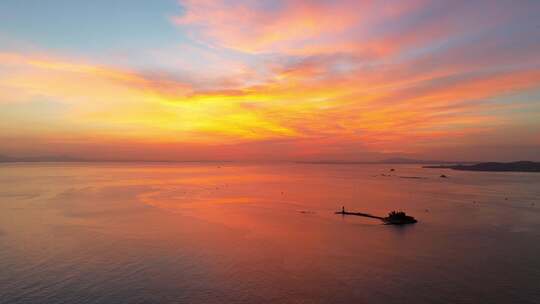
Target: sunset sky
{"type": "Point", "coordinates": [270, 80]}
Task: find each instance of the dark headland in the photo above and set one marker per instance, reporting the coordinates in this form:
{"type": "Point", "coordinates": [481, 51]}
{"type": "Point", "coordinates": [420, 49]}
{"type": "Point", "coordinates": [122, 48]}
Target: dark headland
{"type": "Point", "coordinates": [519, 166]}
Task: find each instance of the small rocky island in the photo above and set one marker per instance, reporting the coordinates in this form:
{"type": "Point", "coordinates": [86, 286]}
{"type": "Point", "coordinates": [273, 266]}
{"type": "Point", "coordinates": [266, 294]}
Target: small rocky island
{"type": "Point", "coordinates": [519, 166]}
{"type": "Point", "coordinates": [393, 218]}
{"type": "Point", "coordinates": [398, 218]}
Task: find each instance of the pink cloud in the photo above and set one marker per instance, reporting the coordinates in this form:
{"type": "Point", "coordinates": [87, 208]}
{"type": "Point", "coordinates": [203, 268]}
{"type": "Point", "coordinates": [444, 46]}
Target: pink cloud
{"type": "Point", "coordinates": [249, 26]}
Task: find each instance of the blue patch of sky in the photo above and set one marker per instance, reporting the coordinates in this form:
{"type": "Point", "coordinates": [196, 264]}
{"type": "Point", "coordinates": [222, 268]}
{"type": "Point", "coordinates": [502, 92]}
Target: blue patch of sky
{"type": "Point", "coordinates": [528, 98]}
{"type": "Point", "coordinates": [89, 26]}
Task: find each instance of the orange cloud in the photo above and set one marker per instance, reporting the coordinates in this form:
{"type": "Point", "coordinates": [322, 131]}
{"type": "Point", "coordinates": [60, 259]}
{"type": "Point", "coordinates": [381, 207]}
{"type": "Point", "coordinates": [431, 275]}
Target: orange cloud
{"type": "Point", "coordinates": [111, 102]}
{"type": "Point", "coordinates": [375, 108]}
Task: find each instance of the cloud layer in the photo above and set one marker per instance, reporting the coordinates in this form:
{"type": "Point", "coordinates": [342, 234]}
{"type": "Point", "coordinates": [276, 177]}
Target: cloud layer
{"type": "Point", "coordinates": [304, 80]}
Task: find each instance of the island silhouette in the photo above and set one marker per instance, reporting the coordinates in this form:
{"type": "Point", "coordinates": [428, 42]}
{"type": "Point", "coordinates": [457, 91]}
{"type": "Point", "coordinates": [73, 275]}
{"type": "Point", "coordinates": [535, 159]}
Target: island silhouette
{"type": "Point", "coordinates": [393, 217]}
{"type": "Point", "coordinates": [519, 166]}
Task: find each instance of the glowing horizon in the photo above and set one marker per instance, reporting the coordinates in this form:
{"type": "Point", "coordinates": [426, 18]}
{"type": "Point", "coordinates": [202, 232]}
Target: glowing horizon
{"type": "Point", "coordinates": [271, 80]}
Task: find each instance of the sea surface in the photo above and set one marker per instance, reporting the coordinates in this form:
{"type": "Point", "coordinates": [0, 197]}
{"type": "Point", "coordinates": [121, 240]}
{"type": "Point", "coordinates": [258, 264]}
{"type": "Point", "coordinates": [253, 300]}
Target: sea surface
{"type": "Point", "coordinates": [265, 233]}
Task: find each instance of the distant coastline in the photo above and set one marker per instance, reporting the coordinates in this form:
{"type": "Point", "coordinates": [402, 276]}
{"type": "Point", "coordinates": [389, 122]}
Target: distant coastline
{"type": "Point", "coordinates": [70, 159]}
{"type": "Point", "coordinates": [519, 166]}
{"type": "Point", "coordinates": [390, 161]}
{"type": "Point", "coordinates": [67, 159]}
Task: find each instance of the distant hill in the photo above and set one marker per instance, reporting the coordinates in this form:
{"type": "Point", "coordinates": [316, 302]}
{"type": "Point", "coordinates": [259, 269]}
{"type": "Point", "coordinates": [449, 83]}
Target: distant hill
{"type": "Point", "coordinates": [396, 161]}
{"type": "Point", "coordinates": [4, 158]}
{"type": "Point", "coordinates": [519, 166]}
{"type": "Point", "coordinates": [66, 159]}
{"type": "Point", "coordinates": [60, 158]}
{"type": "Point", "coordinates": [399, 160]}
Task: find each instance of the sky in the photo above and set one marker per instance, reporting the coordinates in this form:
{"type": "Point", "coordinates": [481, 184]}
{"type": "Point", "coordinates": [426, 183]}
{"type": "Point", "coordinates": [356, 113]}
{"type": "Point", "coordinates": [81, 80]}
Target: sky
{"type": "Point", "coordinates": [270, 80]}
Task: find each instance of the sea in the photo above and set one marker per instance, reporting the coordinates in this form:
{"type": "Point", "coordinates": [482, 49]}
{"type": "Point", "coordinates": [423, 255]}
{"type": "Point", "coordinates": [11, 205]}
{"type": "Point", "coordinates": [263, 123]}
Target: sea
{"type": "Point", "coordinates": [265, 233]}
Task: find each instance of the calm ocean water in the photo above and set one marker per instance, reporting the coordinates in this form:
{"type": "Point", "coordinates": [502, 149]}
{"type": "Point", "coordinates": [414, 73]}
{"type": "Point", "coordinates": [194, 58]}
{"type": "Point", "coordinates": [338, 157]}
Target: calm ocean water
{"type": "Point", "coordinates": [231, 233]}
